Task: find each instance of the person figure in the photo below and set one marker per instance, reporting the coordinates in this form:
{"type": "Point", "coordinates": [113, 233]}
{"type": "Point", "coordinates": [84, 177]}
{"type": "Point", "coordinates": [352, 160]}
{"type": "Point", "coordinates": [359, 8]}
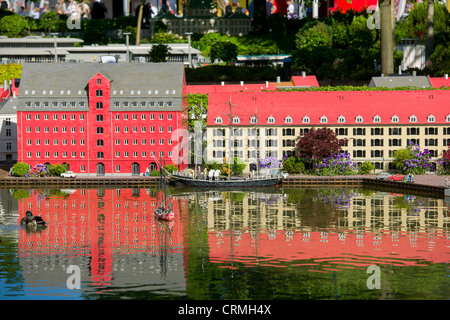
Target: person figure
{"type": "Point", "coordinates": [154, 10]}
{"type": "Point", "coordinates": [35, 14]}
{"type": "Point", "coordinates": [84, 10]}
{"type": "Point", "coordinates": [4, 5]}
{"type": "Point", "coordinates": [228, 8]}
{"type": "Point", "coordinates": [269, 5]}
{"type": "Point", "coordinates": [21, 11]}
{"type": "Point", "coordinates": [72, 7]}
{"type": "Point", "coordinates": [164, 7]}
{"type": "Point", "coordinates": [98, 10]}
{"type": "Point", "coordinates": [61, 7]}
{"type": "Point", "coordinates": [290, 9]}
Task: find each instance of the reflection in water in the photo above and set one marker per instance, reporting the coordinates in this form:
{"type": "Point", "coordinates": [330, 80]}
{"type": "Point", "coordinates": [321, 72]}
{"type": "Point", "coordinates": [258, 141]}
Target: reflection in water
{"type": "Point", "coordinates": [271, 244]}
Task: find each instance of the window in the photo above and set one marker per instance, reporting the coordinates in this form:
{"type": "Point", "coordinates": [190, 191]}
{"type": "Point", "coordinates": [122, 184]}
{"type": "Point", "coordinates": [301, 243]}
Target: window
{"type": "Point", "coordinates": [236, 120]}
{"type": "Point", "coordinates": [9, 132]}
{"type": "Point", "coordinates": [99, 93]}
{"type": "Point", "coordinates": [218, 120]}
{"type": "Point", "coordinates": [161, 117]}
{"type": "Point", "coordinates": [134, 116]}
{"type": "Point", "coordinates": [100, 155]}
{"type": "Point", "coordinates": [99, 105]}
{"type": "Point", "coordinates": [447, 118]}
{"type": "Point", "coordinates": [271, 120]}
{"type": "Point", "coordinates": [341, 119]}
{"type": "Point", "coordinates": [99, 143]}
{"type": "Point", "coordinates": [169, 117]}
{"type": "Point", "coordinates": [99, 130]}
{"type": "Point", "coordinates": [254, 119]}
{"type": "Point", "coordinates": [306, 119]}
{"type": "Point", "coordinates": [359, 119]}
{"type": "Point", "coordinates": [323, 119]}
{"type": "Point", "coordinates": [99, 117]}
{"type": "Point", "coordinates": [412, 118]}
{"type": "Point", "coordinates": [28, 117]}
{"type": "Point", "coordinates": [431, 118]}
{"type": "Point", "coordinates": [395, 118]}
{"type": "Point", "coordinates": [288, 119]}
{"type": "Point", "coordinates": [99, 81]}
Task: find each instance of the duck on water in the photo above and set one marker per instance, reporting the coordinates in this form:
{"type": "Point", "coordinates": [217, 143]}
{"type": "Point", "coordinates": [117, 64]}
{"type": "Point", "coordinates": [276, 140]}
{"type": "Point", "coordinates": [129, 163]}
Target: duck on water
{"type": "Point", "coordinates": [31, 220]}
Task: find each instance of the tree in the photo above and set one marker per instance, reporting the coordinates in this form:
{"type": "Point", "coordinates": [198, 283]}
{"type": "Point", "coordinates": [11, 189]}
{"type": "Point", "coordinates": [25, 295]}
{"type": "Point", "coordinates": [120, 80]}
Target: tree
{"type": "Point", "coordinates": [223, 50]}
{"type": "Point", "coordinates": [159, 52]}
{"type": "Point", "coordinates": [10, 71]}
{"type": "Point", "coordinates": [318, 144]}
{"type": "Point", "coordinates": [56, 169]}
{"type": "Point", "coordinates": [293, 165]}
{"type": "Point", "coordinates": [197, 109]}
{"type": "Point", "coordinates": [13, 26]}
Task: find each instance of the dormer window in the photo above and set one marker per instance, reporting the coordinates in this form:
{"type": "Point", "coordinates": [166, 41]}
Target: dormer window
{"type": "Point", "coordinates": [306, 119]}
{"type": "Point", "coordinates": [447, 118]}
{"type": "Point", "coordinates": [236, 120]}
{"type": "Point", "coordinates": [413, 118]}
{"type": "Point", "coordinates": [271, 120]}
{"type": "Point", "coordinates": [288, 119]}
{"type": "Point", "coordinates": [395, 119]}
{"type": "Point", "coordinates": [377, 119]}
{"type": "Point", "coordinates": [218, 120]}
{"type": "Point", "coordinates": [323, 119]}
{"type": "Point", "coordinates": [341, 119]}
{"type": "Point", "coordinates": [253, 119]}
{"type": "Point", "coordinates": [359, 119]}
{"type": "Point", "coordinates": [431, 118]}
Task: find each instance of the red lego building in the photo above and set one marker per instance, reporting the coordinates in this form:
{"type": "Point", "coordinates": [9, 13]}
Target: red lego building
{"type": "Point", "coordinates": [102, 119]}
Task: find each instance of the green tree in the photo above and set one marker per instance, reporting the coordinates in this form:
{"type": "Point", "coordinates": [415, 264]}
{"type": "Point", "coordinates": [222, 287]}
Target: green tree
{"type": "Point", "coordinates": [49, 21]}
{"type": "Point", "coordinates": [20, 169]}
{"type": "Point", "coordinates": [159, 52]}
{"type": "Point", "coordinates": [314, 35]}
{"type": "Point", "coordinates": [197, 109]}
{"type": "Point", "coordinates": [13, 26]}
{"type": "Point", "coordinates": [400, 156]}
{"type": "Point", "coordinates": [223, 50]}
{"type": "Point", "coordinates": [366, 167]}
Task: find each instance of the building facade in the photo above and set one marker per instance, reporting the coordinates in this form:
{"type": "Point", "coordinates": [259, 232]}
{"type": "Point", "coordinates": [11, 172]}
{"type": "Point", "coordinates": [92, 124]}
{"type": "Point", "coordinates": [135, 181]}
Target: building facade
{"type": "Point", "coordinates": [375, 123]}
{"type": "Point", "coordinates": [102, 119]}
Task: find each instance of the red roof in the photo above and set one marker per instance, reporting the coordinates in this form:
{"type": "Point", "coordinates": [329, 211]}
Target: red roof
{"type": "Point", "coordinates": [331, 104]}
{"type": "Point", "coordinates": [214, 88]}
{"type": "Point", "coordinates": [439, 82]}
{"type": "Point", "coordinates": [307, 81]}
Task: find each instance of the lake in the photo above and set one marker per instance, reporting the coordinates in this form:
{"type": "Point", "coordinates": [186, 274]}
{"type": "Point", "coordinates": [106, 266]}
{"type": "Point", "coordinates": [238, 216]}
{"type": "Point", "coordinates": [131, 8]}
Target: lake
{"type": "Point", "coordinates": [262, 244]}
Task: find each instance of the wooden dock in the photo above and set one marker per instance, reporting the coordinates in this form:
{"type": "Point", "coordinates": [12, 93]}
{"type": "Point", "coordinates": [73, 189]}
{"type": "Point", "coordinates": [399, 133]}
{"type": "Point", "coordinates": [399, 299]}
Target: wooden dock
{"type": "Point", "coordinates": [79, 182]}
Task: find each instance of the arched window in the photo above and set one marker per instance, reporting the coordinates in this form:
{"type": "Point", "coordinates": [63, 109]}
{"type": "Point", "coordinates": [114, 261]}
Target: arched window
{"type": "Point", "coordinates": [323, 119]}
{"type": "Point", "coordinates": [99, 130]}
{"type": "Point", "coordinates": [100, 155]}
{"type": "Point", "coordinates": [99, 93]}
{"type": "Point", "coordinates": [377, 119]}
{"type": "Point", "coordinates": [341, 119]}
{"type": "Point", "coordinates": [271, 120]}
{"type": "Point", "coordinates": [99, 105]}
{"type": "Point", "coordinates": [395, 118]}
{"type": "Point", "coordinates": [288, 119]}
{"type": "Point", "coordinates": [254, 119]}
{"type": "Point", "coordinates": [236, 119]}
{"type": "Point", "coordinates": [99, 117]}
{"type": "Point", "coordinates": [99, 143]}
{"type": "Point", "coordinates": [412, 118]}
{"type": "Point", "coordinates": [359, 119]}
{"type": "Point", "coordinates": [306, 119]}
{"type": "Point", "coordinates": [218, 120]}
{"type": "Point", "coordinates": [431, 118]}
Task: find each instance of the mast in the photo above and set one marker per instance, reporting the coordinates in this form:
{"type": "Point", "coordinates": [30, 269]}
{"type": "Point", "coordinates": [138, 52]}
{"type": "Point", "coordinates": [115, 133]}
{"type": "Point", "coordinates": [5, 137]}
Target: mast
{"type": "Point", "coordinates": [229, 141]}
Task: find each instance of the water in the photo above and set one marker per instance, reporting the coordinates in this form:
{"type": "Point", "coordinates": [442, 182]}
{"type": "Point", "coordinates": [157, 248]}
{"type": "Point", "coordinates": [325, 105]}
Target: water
{"type": "Point", "coordinates": [271, 244]}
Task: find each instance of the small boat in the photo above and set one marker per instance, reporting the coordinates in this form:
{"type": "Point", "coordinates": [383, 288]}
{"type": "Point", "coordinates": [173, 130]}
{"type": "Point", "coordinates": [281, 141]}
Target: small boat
{"type": "Point", "coordinates": [164, 210]}
{"type": "Point", "coordinates": [165, 214]}
{"type": "Point", "coordinates": [30, 220]}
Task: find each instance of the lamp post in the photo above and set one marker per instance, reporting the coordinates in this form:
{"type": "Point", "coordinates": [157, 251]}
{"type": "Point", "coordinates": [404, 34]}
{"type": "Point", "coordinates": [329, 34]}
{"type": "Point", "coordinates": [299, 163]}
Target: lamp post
{"type": "Point", "coordinates": [189, 48]}
{"type": "Point", "coordinates": [128, 53]}
{"type": "Point", "coordinates": [54, 41]}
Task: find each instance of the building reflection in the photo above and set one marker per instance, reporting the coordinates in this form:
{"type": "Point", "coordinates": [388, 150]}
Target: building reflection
{"type": "Point", "coordinates": [371, 228]}
{"type": "Point", "coordinates": [111, 234]}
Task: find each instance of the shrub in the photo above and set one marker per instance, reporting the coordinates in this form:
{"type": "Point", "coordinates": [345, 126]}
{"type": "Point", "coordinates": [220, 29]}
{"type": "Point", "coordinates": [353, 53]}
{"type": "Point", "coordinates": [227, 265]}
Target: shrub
{"type": "Point", "coordinates": [338, 164]}
{"type": "Point", "coordinates": [294, 165]}
{"type": "Point", "coordinates": [56, 169]}
{"type": "Point", "coordinates": [38, 170]}
{"type": "Point", "coordinates": [366, 168]}
{"type": "Point", "coordinates": [20, 169]}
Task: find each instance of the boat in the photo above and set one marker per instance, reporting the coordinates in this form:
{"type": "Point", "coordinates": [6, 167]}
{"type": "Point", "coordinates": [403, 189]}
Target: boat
{"type": "Point", "coordinates": [188, 179]}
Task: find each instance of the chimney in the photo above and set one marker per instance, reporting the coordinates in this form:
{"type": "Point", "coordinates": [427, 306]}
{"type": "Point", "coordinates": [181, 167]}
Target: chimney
{"type": "Point", "coordinates": [267, 84]}
{"type": "Point", "coordinates": [304, 74]}
{"type": "Point", "coordinates": [414, 73]}
{"type": "Point", "coordinates": [446, 76]}
{"type": "Point", "coordinates": [222, 83]}
{"type": "Point", "coordinates": [242, 83]}
{"type": "Point", "coordinates": [278, 79]}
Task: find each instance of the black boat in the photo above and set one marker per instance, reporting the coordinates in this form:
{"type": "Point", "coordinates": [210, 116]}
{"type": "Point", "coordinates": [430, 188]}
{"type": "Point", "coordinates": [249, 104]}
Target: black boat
{"type": "Point", "coordinates": [187, 179]}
